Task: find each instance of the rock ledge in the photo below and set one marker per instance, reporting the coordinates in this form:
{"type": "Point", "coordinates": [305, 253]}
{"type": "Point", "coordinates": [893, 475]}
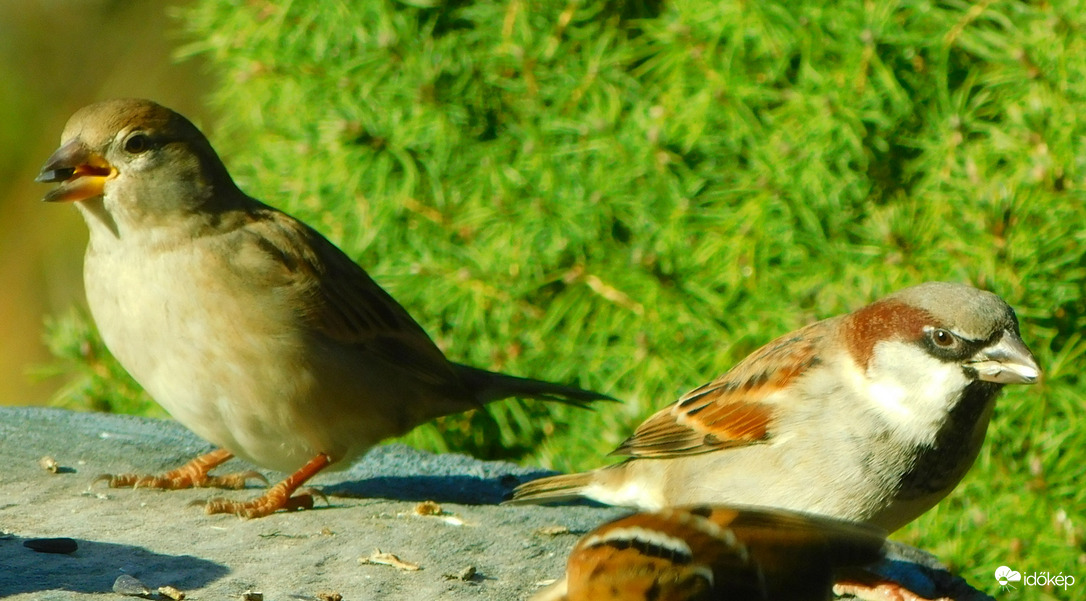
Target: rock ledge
{"type": "Point", "coordinates": [160, 540]}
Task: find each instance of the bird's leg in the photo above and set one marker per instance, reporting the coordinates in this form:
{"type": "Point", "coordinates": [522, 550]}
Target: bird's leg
{"type": "Point", "coordinates": [193, 474]}
{"type": "Point", "coordinates": [878, 590]}
{"type": "Point", "coordinates": [278, 497]}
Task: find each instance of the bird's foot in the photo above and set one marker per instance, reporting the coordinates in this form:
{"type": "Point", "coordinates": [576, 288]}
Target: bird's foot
{"type": "Point", "coordinates": [279, 497]}
{"type": "Point", "coordinates": [879, 591]}
{"type": "Point", "coordinates": [193, 474]}
{"type": "Point", "coordinates": [275, 500]}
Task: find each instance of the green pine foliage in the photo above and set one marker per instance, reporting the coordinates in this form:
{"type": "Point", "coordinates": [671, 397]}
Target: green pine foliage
{"type": "Point", "coordinates": [633, 195]}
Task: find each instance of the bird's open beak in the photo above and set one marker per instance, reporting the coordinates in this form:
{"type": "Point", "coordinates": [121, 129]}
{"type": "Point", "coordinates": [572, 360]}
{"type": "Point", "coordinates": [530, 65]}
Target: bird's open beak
{"type": "Point", "coordinates": [81, 173]}
{"type": "Point", "coordinates": [1008, 362]}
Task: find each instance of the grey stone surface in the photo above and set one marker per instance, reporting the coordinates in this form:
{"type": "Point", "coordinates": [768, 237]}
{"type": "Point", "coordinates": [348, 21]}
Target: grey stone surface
{"type": "Point", "coordinates": [160, 539]}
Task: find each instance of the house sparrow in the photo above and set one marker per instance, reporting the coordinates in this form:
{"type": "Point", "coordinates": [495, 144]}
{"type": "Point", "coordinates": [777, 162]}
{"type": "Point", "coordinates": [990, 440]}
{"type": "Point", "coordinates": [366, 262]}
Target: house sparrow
{"type": "Point", "coordinates": [872, 416]}
{"type": "Point", "coordinates": [705, 553]}
{"type": "Point", "coordinates": [247, 325]}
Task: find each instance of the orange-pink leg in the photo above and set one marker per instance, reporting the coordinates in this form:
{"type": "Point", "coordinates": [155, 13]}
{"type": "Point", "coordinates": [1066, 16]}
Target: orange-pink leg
{"type": "Point", "coordinates": [278, 497]}
{"type": "Point", "coordinates": [193, 474]}
{"type": "Point", "coordinates": [881, 590]}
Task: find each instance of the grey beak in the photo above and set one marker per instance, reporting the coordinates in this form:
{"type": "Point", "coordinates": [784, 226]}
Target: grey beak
{"type": "Point", "coordinates": [1006, 362]}
{"type": "Point", "coordinates": [61, 166]}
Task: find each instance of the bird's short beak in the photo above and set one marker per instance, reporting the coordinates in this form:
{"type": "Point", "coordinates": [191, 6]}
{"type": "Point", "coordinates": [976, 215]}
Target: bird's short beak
{"type": "Point", "coordinates": [1008, 362]}
{"type": "Point", "coordinates": [82, 173]}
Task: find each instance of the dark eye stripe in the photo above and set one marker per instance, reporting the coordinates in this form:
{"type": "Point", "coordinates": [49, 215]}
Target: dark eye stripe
{"type": "Point", "coordinates": [964, 348]}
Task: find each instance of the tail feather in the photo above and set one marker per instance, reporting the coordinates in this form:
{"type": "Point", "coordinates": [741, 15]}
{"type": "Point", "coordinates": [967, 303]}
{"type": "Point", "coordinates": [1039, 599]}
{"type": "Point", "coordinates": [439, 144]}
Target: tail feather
{"type": "Point", "coordinates": [492, 386]}
{"type": "Point", "coordinates": [552, 489]}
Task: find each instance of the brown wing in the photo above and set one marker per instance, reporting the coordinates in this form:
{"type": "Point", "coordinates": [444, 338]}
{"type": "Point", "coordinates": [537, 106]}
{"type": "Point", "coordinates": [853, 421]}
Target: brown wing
{"type": "Point", "coordinates": [672, 555]}
{"type": "Point", "coordinates": [733, 410]}
{"type": "Point", "coordinates": [338, 299]}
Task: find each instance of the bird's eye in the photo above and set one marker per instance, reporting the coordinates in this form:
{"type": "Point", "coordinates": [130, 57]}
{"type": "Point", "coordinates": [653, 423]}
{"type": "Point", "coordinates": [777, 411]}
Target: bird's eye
{"type": "Point", "coordinates": [943, 338]}
{"type": "Point", "coordinates": [137, 143]}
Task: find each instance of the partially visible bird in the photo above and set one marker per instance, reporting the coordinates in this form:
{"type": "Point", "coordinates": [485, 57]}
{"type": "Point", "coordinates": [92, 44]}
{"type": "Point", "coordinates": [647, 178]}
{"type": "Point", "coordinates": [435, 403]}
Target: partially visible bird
{"type": "Point", "coordinates": [247, 325]}
{"type": "Point", "coordinates": [707, 553]}
{"type": "Point", "coordinates": [873, 416]}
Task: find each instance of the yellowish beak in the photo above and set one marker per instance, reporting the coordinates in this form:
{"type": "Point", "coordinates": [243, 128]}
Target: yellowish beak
{"type": "Point", "coordinates": [81, 173]}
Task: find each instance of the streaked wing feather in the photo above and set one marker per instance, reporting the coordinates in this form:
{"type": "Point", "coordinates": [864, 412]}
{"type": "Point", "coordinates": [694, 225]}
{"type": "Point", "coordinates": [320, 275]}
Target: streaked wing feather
{"type": "Point", "coordinates": [342, 302]}
{"type": "Point", "coordinates": [733, 410]}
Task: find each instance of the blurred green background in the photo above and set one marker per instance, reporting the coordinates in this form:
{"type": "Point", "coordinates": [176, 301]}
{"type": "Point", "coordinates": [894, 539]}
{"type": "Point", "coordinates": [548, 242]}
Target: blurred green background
{"type": "Point", "coordinates": [634, 195]}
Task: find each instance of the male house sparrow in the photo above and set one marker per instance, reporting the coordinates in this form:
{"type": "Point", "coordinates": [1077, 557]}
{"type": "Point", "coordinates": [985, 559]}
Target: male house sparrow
{"type": "Point", "coordinates": [704, 553]}
{"type": "Point", "coordinates": [872, 416]}
{"type": "Point", "coordinates": [248, 326]}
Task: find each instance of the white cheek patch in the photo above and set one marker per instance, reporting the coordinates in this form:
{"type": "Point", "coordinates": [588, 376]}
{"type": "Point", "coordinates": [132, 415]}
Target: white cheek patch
{"type": "Point", "coordinates": [912, 389]}
{"type": "Point", "coordinates": [890, 396]}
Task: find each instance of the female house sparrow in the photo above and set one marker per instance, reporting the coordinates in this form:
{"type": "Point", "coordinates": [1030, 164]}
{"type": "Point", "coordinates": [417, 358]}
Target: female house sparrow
{"type": "Point", "coordinates": [872, 416]}
{"type": "Point", "coordinates": [248, 326]}
{"type": "Point", "coordinates": [705, 553]}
